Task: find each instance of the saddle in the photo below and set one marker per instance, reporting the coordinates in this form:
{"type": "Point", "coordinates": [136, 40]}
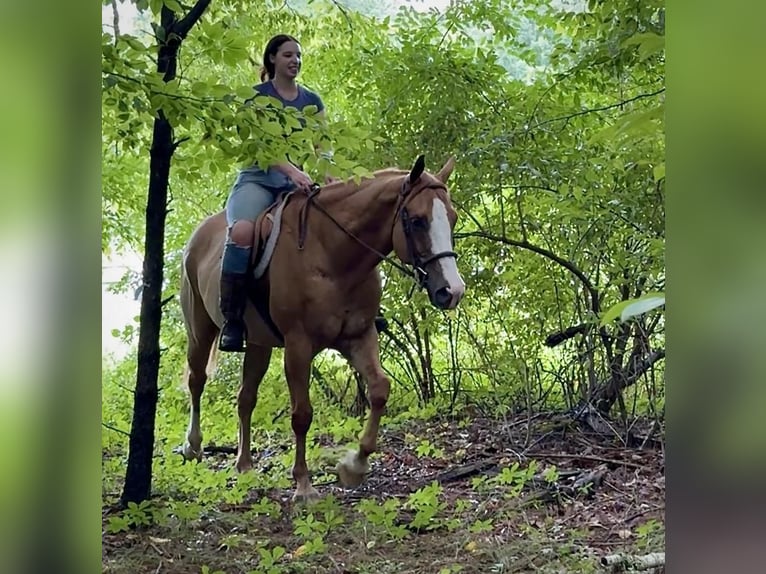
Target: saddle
{"type": "Point", "coordinates": [267, 227]}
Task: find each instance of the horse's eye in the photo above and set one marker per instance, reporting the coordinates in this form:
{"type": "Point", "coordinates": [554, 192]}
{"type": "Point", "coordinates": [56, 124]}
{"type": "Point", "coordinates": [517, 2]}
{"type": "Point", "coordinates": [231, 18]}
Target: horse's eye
{"type": "Point", "coordinates": [419, 223]}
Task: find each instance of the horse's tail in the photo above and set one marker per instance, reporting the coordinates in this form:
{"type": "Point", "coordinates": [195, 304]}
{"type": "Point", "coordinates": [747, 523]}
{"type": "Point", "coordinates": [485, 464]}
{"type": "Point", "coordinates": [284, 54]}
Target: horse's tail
{"type": "Point", "coordinates": [212, 361]}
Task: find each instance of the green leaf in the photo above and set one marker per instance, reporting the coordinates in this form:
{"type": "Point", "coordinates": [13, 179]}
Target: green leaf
{"type": "Point", "coordinates": [613, 312]}
{"type": "Point", "coordinates": [633, 307]}
{"type": "Point", "coordinates": [244, 92]}
{"type": "Point", "coordinates": [659, 171]}
{"type": "Point", "coordinates": [174, 5]}
{"type": "Point", "coordinates": [199, 89]}
{"type": "Point", "coordinates": [649, 44]}
{"type": "Point", "coordinates": [134, 43]}
{"type": "Point", "coordinates": [642, 305]}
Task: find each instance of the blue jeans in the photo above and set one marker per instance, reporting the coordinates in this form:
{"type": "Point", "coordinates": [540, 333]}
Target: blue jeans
{"type": "Point", "coordinates": [247, 200]}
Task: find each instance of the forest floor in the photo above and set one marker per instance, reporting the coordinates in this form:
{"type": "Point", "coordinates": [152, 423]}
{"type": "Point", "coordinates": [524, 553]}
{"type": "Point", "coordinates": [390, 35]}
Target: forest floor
{"type": "Point", "coordinates": [528, 494]}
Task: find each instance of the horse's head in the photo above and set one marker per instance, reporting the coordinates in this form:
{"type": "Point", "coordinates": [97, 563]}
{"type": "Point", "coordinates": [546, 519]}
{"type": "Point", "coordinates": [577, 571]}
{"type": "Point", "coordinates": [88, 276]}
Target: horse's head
{"type": "Point", "coordinates": [422, 233]}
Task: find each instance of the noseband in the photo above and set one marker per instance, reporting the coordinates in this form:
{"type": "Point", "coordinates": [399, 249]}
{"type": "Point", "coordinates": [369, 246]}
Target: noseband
{"type": "Point", "coordinates": [418, 262]}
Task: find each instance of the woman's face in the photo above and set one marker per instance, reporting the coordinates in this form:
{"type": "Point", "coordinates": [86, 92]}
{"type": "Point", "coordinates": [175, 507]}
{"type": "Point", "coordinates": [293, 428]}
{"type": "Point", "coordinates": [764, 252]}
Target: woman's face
{"type": "Point", "coordinates": [287, 62]}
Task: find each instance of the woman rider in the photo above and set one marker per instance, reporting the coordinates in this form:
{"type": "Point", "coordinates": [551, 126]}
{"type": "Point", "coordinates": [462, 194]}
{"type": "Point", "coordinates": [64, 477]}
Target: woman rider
{"type": "Point", "coordinates": [255, 188]}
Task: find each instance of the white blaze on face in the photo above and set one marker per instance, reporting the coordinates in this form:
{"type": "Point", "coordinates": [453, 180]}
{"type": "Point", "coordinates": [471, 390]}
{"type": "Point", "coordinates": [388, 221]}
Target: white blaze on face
{"type": "Point", "coordinates": [441, 240]}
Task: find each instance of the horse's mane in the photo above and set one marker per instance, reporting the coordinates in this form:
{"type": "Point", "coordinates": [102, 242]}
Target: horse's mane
{"type": "Point", "coordinates": [346, 186]}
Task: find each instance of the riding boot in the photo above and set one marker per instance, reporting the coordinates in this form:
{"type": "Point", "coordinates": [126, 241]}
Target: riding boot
{"type": "Point", "coordinates": [233, 301]}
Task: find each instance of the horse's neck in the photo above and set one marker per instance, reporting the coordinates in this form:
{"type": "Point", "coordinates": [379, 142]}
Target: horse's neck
{"type": "Point", "coordinates": [367, 212]}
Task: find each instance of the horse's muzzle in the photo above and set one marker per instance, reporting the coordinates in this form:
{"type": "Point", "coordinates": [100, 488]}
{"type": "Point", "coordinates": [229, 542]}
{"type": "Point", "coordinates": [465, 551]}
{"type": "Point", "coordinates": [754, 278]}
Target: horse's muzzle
{"type": "Point", "coordinates": [445, 298]}
{"type": "Point", "coordinates": [442, 298]}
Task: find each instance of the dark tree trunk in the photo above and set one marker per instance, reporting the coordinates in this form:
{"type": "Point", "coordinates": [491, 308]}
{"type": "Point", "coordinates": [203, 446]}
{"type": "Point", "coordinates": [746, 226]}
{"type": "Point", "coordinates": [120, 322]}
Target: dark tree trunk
{"type": "Point", "coordinates": [138, 476]}
{"type": "Point", "coordinates": [609, 392]}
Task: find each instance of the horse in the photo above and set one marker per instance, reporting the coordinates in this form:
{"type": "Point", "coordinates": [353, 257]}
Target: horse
{"type": "Point", "coordinates": [321, 290]}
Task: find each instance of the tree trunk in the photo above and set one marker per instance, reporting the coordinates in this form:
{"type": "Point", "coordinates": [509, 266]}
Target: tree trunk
{"type": "Point", "coordinates": [138, 476]}
{"type": "Point", "coordinates": [608, 393]}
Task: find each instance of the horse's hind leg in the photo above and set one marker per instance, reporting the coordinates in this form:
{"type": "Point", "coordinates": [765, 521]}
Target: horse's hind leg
{"type": "Point", "coordinates": [196, 377]}
{"type": "Point", "coordinates": [201, 333]}
{"type": "Point", "coordinates": [254, 367]}
{"type": "Point", "coordinates": [364, 356]}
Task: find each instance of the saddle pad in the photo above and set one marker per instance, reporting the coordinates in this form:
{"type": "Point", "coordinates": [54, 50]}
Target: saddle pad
{"type": "Point", "coordinates": [267, 228]}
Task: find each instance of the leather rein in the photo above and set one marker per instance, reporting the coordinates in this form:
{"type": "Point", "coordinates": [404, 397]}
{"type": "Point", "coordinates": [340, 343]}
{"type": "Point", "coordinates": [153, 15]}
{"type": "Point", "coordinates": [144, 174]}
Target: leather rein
{"type": "Point", "coordinates": [418, 272]}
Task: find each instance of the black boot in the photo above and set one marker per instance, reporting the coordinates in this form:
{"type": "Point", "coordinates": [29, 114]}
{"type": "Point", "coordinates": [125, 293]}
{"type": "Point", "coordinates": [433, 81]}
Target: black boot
{"type": "Point", "coordinates": [233, 301]}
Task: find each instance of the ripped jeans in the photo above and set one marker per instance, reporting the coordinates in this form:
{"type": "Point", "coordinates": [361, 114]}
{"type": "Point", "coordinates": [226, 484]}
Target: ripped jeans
{"type": "Point", "coordinates": [253, 191]}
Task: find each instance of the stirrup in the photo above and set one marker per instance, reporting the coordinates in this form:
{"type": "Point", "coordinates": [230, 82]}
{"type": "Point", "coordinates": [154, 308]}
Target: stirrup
{"type": "Point", "coordinates": [230, 343]}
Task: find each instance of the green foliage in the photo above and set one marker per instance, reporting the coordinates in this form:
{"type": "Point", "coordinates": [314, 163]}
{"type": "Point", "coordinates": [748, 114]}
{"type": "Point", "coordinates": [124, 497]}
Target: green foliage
{"type": "Point", "coordinates": [650, 533]}
{"type": "Point", "coordinates": [383, 516]}
{"type": "Point", "coordinates": [426, 505]}
{"type": "Point", "coordinates": [515, 478]}
{"type": "Point", "coordinates": [269, 558]}
{"type": "Point", "coordinates": [551, 474]}
{"type": "Point", "coordinates": [134, 516]}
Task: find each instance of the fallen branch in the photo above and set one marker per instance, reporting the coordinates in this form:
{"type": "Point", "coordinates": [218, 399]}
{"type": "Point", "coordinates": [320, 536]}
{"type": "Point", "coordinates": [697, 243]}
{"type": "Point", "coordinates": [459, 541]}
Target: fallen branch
{"type": "Point", "coordinates": [624, 562]}
{"type": "Point", "coordinates": [458, 473]}
{"type": "Point", "coordinates": [590, 458]}
{"type": "Point", "coordinates": [588, 480]}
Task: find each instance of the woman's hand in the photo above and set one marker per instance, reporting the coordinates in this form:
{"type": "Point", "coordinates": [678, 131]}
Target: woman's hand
{"type": "Point", "coordinates": [301, 180]}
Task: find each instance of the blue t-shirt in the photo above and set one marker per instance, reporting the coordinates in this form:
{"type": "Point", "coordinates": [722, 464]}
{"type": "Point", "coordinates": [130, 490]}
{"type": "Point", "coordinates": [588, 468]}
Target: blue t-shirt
{"type": "Point", "coordinates": [274, 179]}
{"type": "Point", "coordinates": [305, 96]}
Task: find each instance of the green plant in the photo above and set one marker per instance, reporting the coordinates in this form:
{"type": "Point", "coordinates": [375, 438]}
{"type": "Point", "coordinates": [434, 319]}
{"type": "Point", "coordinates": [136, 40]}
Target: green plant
{"type": "Point", "coordinates": [265, 507]}
{"type": "Point", "coordinates": [648, 532]}
{"type": "Point", "coordinates": [268, 563]}
{"type": "Point", "coordinates": [425, 502]}
{"type": "Point", "coordinates": [480, 526]}
{"type": "Point", "coordinates": [135, 515]}
{"type": "Point", "coordinates": [515, 477]}
{"type": "Point", "coordinates": [383, 516]}
{"type": "Point", "coordinates": [551, 474]}
{"type": "Point", "coordinates": [425, 448]}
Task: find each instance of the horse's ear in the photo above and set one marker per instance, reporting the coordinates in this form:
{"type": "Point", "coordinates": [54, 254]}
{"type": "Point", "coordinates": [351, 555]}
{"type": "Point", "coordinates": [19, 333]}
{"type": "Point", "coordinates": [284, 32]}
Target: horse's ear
{"type": "Point", "coordinates": [417, 169]}
{"type": "Point", "coordinates": [446, 170]}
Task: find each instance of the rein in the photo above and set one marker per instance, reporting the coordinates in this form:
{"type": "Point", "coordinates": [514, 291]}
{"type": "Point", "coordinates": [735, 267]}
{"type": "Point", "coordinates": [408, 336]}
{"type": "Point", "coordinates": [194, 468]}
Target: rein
{"type": "Point", "coordinates": [418, 271]}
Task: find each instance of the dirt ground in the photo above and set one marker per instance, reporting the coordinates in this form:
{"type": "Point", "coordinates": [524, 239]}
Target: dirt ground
{"type": "Point", "coordinates": [606, 498]}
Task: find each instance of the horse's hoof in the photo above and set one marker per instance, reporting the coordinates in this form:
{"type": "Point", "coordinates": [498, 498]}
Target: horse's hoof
{"type": "Point", "coordinates": [351, 471]}
{"type": "Point", "coordinates": [244, 466]}
{"type": "Point", "coordinates": [309, 494]}
{"type": "Point", "coordinates": [190, 453]}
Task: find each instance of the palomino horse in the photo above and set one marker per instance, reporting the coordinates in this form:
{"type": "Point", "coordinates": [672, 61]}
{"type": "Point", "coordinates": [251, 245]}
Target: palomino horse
{"type": "Point", "coordinates": [324, 294]}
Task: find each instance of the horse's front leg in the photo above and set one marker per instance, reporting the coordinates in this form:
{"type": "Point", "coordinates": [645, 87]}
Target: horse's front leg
{"type": "Point", "coordinates": [298, 357]}
{"type": "Point", "coordinates": [364, 355]}
{"type": "Point", "coordinates": [254, 367]}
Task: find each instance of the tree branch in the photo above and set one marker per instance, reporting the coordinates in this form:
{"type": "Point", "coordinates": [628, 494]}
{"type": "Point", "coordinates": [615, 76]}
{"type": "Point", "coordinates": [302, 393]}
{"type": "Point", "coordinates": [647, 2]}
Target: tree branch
{"type": "Point", "coordinates": [593, 110]}
{"type": "Point", "coordinates": [116, 19]}
{"type": "Point", "coordinates": [182, 26]}
{"type": "Point", "coordinates": [592, 291]}
{"type": "Point", "coordinates": [343, 10]}
{"type": "Point", "coordinates": [555, 339]}
{"type": "Point", "coordinates": [115, 429]}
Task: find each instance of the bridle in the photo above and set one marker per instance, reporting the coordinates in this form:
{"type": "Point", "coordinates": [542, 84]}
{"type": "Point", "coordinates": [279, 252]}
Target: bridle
{"type": "Point", "coordinates": [418, 262]}
{"type": "Point", "coordinates": [407, 192]}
